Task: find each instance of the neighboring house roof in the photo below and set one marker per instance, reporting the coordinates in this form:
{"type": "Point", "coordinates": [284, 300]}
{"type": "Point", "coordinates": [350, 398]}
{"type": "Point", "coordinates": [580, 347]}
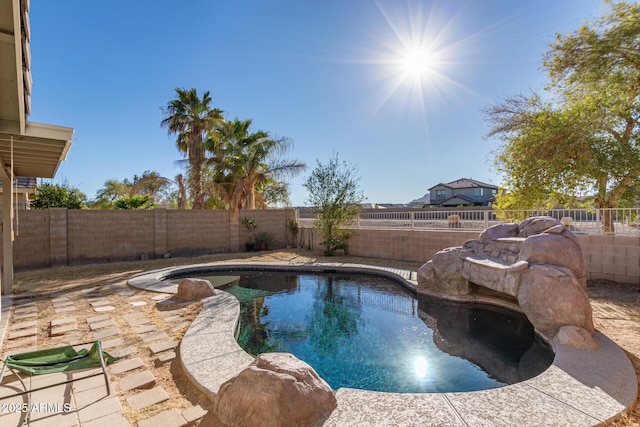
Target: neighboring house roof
{"type": "Point", "coordinates": [465, 183]}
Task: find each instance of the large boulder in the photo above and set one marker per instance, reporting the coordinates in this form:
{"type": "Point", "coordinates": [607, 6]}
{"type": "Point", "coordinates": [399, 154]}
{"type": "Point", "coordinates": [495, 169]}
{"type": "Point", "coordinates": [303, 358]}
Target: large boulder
{"type": "Point", "coordinates": [277, 389]}
{"type": "Point", "coordinates": [194, 289]}
{"type": "Point", "coordinates": [552, 297]}
{"type": "Point", "coordinates": [555, 249]}
{"type": "Point", "coordinates": [443, 274]}
{"type": "Point", "coordinates": [536, 225]}
{"type": "Point", "coordinates": [189, 290]}
{"type": "Point", "coordinates": [498, 231]}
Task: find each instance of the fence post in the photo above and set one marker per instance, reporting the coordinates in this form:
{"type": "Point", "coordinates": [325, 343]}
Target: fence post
{"type": "Point", "coordinates": [160, 232]}
{"type": "Point", "coordinates": [234, 234]}
{"type": "Point", "coordinates": [486, 219]}
{"type": "Point", "coordinates": [598, 221]}
{"type": "Point", "coordinates": [58, 236]}
{"type": "Point", "coordinates": [413, 218]}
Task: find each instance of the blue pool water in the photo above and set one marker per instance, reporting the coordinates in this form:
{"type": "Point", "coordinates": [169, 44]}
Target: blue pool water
{"type": "Point", "coordinates": [370, 333]}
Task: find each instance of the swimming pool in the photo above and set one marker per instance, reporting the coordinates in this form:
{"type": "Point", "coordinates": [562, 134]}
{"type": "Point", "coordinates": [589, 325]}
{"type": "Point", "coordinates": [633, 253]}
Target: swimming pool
{"type": "Point", "coordinates": [580, 387]}
{"type": "Point", "coordinates": [368, 332]}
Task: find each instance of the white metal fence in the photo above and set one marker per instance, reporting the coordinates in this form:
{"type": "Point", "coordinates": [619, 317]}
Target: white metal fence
{"type": "Point", "coordinates": [622, 222]}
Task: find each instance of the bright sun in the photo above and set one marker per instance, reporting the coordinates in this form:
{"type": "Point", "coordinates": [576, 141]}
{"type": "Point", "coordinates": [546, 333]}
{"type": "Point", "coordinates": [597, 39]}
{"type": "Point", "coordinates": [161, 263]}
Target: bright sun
{"type": "Point", "coordinates": [419, 50]}
{"type": "Point", "coordinates": [417, 62]}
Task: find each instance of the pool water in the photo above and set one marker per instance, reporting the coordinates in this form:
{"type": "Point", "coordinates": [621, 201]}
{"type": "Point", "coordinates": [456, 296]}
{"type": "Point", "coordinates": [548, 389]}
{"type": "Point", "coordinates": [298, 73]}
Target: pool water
{"type": "Point", "coordinates": [370, 333]}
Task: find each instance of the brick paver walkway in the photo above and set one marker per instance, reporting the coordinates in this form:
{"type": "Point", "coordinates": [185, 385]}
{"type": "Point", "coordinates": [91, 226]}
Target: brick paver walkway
{"type": "Point", "coordinates": [45, 321]}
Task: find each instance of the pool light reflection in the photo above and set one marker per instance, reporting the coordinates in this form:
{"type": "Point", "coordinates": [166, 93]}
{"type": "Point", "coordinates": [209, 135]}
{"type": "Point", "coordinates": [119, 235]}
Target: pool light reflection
{"type": "Point", "coordinates": [420, 366]}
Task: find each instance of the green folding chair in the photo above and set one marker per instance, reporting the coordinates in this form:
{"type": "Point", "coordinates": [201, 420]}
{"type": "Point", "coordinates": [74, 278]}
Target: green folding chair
{"type": "Point", "coordinates": [58, 359]}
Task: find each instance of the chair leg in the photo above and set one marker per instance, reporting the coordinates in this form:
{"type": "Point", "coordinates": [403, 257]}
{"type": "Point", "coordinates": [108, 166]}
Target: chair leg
{"type": "Point", "coordinates": [104, 369]}
{"type": "Point", "coordinates": [27, 413]}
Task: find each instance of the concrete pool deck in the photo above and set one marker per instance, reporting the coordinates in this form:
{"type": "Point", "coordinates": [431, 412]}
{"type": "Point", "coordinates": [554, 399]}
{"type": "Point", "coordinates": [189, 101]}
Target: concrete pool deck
{"type": "Point", "coordinates": [580, 388]}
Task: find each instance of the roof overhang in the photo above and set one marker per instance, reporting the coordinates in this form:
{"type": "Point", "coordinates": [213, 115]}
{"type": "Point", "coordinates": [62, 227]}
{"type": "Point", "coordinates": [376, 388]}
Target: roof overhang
{"type": "Point", "coordinates": [32, 149]}
{"type": "Point", "coordinates": [37, 152]}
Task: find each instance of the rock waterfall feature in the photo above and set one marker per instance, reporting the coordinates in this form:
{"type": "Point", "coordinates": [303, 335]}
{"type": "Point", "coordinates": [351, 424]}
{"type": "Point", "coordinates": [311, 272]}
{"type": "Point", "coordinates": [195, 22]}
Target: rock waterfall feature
{"type": "Point", "coordinates": [537, 264]}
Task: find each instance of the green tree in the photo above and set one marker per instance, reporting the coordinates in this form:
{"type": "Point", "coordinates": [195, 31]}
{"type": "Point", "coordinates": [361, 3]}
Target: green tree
{"type": "Point", "coordinates": [248, 163]}
{"type": "Point", "coordinates": [276, 193]}
{"type": "Point", "coordinates": [584, 140]}
{"type": "Point", "coordinates": [160, 190]}
{"type": "Point", "coordinates": [58, 196]}
{"type": "Point", "coordinates": [111, 190]}
{"type": "Point", "coordinates": [336, 197]}
{"type": "Point", "coordinates": [134, 202]}
{"type": "Point", "coordinates": [192, 119]}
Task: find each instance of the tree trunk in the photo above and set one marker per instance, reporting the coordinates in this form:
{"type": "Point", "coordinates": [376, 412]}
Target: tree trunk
{"type": "Point", "coordinates": [182, 192]}
{"type": "Point", "coordinates": [606, 221]}
{"type": "Point", "coordinates": [196, 184]}
{"type": "Point", "coordinates": [250, 199]}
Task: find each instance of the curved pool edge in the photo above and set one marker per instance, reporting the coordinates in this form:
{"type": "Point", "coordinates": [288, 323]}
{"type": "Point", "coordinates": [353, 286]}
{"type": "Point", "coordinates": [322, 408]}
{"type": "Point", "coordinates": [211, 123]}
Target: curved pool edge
{"type": "Point", "coordinates": [580, 388]}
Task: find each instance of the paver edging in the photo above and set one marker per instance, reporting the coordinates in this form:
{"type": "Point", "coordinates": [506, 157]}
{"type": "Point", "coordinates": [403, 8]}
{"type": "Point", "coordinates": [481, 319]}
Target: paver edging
{"type": "Point", "coordinates": [605, 376]}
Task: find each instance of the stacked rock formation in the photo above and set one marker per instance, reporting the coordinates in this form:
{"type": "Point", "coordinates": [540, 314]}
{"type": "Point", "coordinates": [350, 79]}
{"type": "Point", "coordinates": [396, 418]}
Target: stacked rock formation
{"type": "Point", "coordinates": [538, 262]}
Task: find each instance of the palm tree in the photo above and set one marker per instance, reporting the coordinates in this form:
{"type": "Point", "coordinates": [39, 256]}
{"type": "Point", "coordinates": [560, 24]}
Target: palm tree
{"type": "Point", "coordinates": [248, 163]}
{"type": "Point", "coordinates": [192, 119]}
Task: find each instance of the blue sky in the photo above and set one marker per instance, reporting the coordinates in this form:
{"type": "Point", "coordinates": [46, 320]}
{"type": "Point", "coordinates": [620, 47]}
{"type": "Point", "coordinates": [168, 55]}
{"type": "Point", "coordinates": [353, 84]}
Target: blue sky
{"type": "Point", "coordinates": [331, 75]}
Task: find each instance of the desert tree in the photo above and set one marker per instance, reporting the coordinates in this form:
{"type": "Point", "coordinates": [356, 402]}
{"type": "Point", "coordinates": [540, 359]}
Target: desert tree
{"type": "Point", "coordinates": [581, 136]}
{"type": "Point", "coordinates": [334, 192]}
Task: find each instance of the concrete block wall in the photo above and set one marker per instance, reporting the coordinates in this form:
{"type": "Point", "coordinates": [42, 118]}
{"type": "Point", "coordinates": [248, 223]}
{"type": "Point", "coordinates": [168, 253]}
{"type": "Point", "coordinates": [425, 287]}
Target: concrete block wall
{"type": "Point", "coordinates": [108, 235]}
{"type": "Point", "coordinates": [32, 245]}
{"type": "Point", "coordinates": [273, 221]}
{"type": "Point", "coordinates": [404, 244]}
{"type": "Point", "coordinates": [614, 258]}
{"type": "Point", "coordinates": [611, 257]}
{"type": "Point", "coordinates": [197, 232]}
{"type": "Point", "coordinates": [66, 237]}
{"type": "Point", "coordinates": [57, 237]}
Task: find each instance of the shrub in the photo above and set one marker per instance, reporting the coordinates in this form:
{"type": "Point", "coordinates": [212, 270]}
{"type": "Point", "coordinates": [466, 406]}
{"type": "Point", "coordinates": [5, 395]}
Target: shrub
{"type": "Point", "coordinates": [264, 240]}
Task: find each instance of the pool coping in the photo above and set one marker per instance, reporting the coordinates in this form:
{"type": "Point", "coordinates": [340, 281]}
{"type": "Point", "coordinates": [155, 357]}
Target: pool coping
{"type": "Point", "coordinates": [580, 388]}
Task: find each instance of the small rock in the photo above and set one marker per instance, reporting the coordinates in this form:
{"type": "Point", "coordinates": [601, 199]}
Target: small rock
{"type": "Point", "coordinates": [575, 337]}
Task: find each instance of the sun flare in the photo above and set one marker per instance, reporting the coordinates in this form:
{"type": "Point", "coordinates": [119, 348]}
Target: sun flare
{"type": "Point", "coordinates": [421, 50]}
{"type": "Point", "coordinates": [417, 62]}
{"type": "Point", "coordinates": [421, 366]}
